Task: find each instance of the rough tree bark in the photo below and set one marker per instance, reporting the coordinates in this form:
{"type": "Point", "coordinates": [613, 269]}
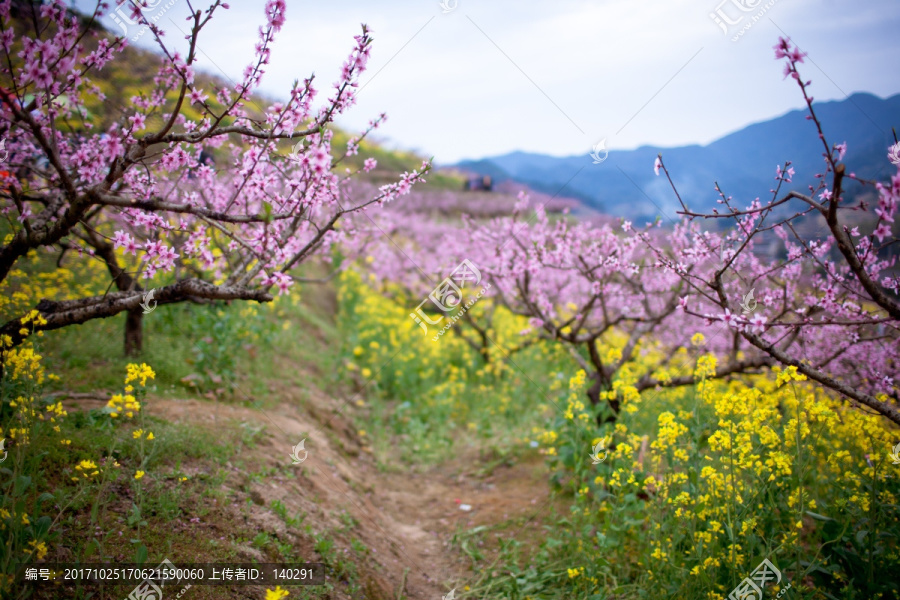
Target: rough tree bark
{"type": "Point", "coordinates": [134, 332]}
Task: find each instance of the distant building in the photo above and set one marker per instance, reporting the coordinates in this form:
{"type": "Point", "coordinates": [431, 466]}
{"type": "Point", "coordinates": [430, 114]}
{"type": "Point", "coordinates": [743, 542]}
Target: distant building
{"type": "Point", "coordinates": [478, 183]}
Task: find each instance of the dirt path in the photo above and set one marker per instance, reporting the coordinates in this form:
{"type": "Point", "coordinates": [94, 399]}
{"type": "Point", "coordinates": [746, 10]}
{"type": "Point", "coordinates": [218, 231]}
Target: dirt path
{"type": "Point", "coordinates": [406, 519]}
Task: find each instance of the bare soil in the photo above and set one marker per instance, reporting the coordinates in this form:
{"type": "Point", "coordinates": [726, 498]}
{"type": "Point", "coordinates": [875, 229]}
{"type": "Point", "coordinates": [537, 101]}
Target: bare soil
{"type": "Point", "coordinates": [406, 518]}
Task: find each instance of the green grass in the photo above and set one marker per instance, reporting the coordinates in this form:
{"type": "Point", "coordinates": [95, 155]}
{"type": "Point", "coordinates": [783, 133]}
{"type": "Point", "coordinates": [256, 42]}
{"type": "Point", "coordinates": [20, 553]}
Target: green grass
{"type": "Point", "coordinates": [249, 369]}
{"type": "Point", "coordinates": [216, 350]}
{"type": "Point", "coordinates": [415, 416]}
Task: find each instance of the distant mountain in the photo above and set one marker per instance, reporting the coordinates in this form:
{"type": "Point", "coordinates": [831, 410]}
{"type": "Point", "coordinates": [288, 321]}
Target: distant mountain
{"type": "Point", "coordinates": [743, 163]}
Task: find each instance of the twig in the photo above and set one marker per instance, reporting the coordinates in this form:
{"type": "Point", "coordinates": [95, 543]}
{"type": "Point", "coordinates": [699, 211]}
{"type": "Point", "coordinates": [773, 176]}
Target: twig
{"type": "Point", "coordinates": [402, 585]}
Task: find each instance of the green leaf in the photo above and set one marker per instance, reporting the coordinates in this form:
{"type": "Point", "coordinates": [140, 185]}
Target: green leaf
{"type": "Point", "coordinates": [818, 517]}
{"type": "Point", "coordinates": [23, 482]}
{"type": "Point", "coordinates": [89, 550]}
{"type": "Point", "coordinates": [140, 555]}
{"type": "Point", "coordinates": [42, 526]}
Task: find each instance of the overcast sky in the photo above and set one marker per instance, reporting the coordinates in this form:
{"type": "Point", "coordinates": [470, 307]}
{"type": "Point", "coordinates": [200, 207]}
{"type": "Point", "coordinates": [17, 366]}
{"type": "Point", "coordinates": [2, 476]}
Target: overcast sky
{"type": "Point", "coordinates": [556, 77]}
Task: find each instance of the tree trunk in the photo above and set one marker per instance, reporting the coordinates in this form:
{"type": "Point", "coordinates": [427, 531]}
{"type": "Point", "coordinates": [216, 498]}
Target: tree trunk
{"type": "Point", "coordinates": [134, 332]}
{"type": "Point", "coordinates": [593, 394]}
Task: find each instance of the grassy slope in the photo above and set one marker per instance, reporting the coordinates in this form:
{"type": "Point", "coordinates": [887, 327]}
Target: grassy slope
{"type": "Point", "coordinates": [228, 463]}
{"type": "Point", "coordinates": [88, 359]}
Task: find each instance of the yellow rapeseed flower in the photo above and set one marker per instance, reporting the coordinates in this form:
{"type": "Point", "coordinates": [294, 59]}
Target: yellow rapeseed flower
{"type": "Point", "coordinates": [141, 372]}
{"type": "Point", "coordinates": [277, 594]}
{"type": "Point", "coordinates": [39, 548]}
